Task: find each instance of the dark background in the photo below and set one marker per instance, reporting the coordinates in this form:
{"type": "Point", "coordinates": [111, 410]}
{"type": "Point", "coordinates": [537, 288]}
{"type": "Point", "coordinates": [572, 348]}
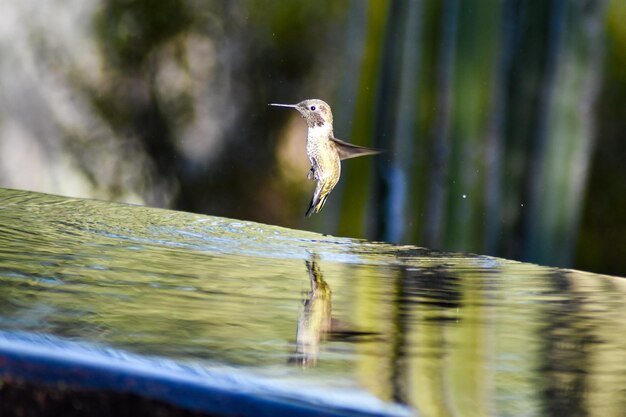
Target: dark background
{"type": "Point", "coordinates": [502, 119]}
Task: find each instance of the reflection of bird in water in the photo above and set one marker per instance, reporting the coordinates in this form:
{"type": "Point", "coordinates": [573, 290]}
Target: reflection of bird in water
{"type": "Point", "coordinates": [314, 320]}
{"type": "Point", "coordinates": [324, 150]}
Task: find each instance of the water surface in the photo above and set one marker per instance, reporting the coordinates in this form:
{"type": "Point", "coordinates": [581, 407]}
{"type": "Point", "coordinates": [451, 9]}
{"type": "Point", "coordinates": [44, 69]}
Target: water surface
{"type": "Point", "coordinates": [441, 334]}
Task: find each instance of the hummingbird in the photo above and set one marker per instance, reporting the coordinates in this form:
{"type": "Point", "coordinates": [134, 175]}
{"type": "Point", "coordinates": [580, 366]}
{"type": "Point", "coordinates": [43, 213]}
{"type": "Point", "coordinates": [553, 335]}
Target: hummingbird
{"type": "Point", "coordinates": [324, 150]}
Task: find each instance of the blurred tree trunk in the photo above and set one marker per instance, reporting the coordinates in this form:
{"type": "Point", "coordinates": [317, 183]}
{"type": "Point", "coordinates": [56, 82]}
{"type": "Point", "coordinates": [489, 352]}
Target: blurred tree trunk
{"type": "Point", "coordinates": [401, 207]}
{"type": "Point", "coordinates": [559, 174]}
{"type": "Point", "coordinates": [356, 173]}
{"type": "Point", "coordinates": [440, 151]}
{"type": "Point", "coordinates": [494, 141]}
{"type": "Point", "coordinates": [396, 103]}
{"type": "Point", "coordinates": [465, 177]}
{"type": "Point", "coordinates": [603, 223]}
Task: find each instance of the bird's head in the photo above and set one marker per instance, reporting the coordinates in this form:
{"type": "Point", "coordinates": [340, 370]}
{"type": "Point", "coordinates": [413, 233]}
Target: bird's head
{"type": "Point", "coordinates": [315, 112]}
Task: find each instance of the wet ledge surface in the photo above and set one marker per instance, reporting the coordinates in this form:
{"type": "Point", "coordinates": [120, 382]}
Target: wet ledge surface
{"type": "Point", "coordinates": [225, 317]}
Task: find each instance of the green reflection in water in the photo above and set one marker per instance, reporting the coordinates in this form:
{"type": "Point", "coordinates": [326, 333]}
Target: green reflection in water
{"type": "Point", "coordinates": [447, 334]}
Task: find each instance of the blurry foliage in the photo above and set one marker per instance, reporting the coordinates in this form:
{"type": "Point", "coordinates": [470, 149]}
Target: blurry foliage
{"type": "Point", "coordinates": [257, 48]}
{"type": "Point", "coordinates": [490, 111]}
{"type": "Point", "coordinates": [131, 30]}
{"type": "Point", "coordinates": [508, 92]}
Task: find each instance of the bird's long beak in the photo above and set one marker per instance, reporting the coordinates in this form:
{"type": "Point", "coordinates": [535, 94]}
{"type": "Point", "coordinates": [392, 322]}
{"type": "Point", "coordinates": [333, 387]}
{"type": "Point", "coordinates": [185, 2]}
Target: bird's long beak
{"type": "Point", "coordinates": [283, 105]}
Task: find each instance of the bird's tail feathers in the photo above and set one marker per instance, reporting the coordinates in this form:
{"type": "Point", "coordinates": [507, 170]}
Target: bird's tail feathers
{"type": "Point", "coordinates": [316, 204]}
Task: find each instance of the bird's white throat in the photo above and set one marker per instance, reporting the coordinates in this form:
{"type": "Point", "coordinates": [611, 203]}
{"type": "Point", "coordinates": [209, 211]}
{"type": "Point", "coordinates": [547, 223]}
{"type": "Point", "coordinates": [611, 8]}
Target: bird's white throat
{"type": "Point", "coordinates": [320, 133]}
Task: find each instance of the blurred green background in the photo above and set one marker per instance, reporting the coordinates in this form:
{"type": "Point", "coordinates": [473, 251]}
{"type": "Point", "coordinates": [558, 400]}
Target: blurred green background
{"type": "Point", "coordinates": [502, 119]}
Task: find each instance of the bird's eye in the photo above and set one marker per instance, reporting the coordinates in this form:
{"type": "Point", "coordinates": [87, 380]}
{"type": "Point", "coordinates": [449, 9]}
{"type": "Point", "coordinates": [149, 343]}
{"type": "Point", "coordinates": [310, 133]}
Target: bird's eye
{"type": "Point", "coordinates": [313, 108]}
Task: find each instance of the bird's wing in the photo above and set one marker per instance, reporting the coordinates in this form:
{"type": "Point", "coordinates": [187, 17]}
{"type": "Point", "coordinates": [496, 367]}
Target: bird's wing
{"type": "Point", "coordinates": [347, 150]}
